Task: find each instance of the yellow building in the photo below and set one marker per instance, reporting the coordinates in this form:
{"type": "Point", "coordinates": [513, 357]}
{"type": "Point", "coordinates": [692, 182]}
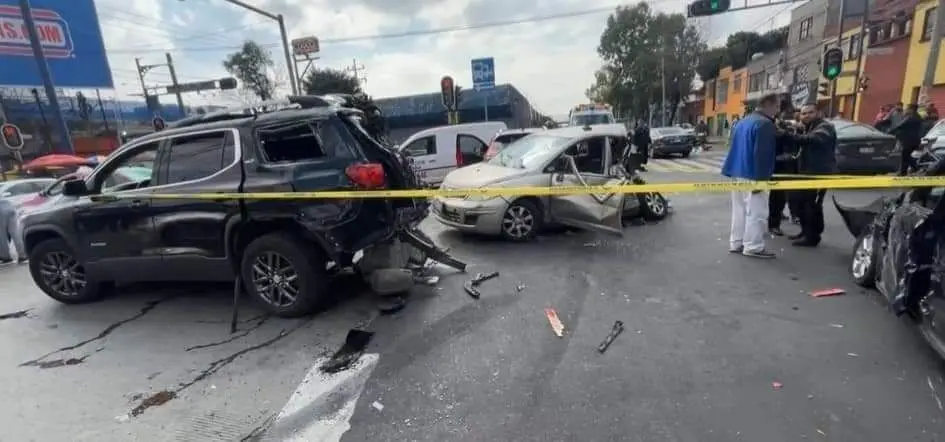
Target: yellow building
{"type": "Point", "coordinates": [847, 85]}
{"type": "Point", "coordinates": [919, 56]}
{"type": "Point", "coordinates": [725, 99]}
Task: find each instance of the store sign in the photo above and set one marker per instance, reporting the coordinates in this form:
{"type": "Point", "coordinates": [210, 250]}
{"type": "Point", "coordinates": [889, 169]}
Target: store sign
{"type": "Point", "coordinates": [800, 94]}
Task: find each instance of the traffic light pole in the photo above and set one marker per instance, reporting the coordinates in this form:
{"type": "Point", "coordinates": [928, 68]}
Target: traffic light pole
{"type": "Point", "coordinates": [859, 62]}
{"type": "Point", "coordinates": [27, 13]}
{"type": "Point", "coordinates": [833, 82]}
{"type": "Point", "coordinates": [180, 99]}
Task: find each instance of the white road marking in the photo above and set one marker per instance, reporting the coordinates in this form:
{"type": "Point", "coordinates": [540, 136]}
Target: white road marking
{"type": "Point", "coordinates": [321, 407]}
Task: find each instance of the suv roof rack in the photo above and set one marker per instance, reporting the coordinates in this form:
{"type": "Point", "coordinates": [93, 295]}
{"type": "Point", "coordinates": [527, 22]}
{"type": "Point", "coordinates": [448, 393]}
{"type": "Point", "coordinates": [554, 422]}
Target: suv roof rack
{"type": "Point", "coordinates": [290, 102]}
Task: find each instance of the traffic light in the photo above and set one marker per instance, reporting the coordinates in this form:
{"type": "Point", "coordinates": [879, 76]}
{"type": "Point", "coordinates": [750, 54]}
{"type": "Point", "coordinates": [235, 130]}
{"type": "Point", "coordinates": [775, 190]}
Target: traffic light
{"type": "Point", "coordinates": [702, 8]}
{"type": "Point", "coordinates": [823, 88]}
{"type": "Point", "coordinates": [12, 137]}
{"type": "Point", "coordinates": [82, 104]}
{"type": "Point", "coordinates": [227, 83]}
{"type": "Point", "coordinates": [448, 91]}
{"type": "Point", "coordinates": [864, 84]}
{"type": "Point", "coordinates": [158, 124]}
{"type": "Point", "coordinates": [833, 63]}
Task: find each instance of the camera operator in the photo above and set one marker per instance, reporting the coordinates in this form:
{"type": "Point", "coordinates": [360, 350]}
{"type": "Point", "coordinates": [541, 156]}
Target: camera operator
{"type": "Point", "coordinates": [817, 142]}
{"type": "Point", "coordinates": [785, 163]}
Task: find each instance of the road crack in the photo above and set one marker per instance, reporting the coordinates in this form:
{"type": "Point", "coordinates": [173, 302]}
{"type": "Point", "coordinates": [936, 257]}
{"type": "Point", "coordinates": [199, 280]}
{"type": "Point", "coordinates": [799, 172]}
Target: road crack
{"type": "Point", "coordinates": [232, 338]}
{"type": "Point", "coordinates": [165, 396]}
{"type": "Point", "coordinates": [150, 305]}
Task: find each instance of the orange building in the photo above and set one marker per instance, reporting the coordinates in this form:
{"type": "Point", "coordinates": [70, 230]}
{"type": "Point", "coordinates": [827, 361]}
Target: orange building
{"type": "Point", "coordinates": [725, 99]}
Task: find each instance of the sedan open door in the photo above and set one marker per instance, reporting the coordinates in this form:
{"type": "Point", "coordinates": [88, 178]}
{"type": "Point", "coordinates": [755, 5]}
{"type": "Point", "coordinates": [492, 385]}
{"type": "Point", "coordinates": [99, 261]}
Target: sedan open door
{"type": "Point", "coordinates": [602, 213]}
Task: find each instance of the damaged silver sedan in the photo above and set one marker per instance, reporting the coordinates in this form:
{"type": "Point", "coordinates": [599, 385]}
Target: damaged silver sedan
{"type": "Point", "coordinates": [568, 157]}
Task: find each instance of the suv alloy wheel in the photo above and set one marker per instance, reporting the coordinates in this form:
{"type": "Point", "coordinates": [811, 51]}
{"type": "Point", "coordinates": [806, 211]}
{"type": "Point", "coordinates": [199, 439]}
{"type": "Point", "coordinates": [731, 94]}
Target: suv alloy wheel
{"type": "Point", "coordinates": [286, 274]}
{"type": "Point", "coordinates": [60, 275]}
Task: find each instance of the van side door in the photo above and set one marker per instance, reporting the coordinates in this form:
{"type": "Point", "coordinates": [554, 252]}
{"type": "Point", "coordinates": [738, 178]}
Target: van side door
{"type": "Point", "coordinates": [422, 154]}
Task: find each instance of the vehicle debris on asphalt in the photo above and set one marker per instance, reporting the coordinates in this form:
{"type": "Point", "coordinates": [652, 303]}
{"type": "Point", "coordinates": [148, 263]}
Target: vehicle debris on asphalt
{"type": "Point", "coordinates": [617, 329]}
{"type": "Point", "coordinates": [355, 343]}
{"type": "Point", "coordinates": [472, 286]}
{"type": "Point", "coordinates": [556, 325]}
{"type": "Point", "coordinates": [828, 292]}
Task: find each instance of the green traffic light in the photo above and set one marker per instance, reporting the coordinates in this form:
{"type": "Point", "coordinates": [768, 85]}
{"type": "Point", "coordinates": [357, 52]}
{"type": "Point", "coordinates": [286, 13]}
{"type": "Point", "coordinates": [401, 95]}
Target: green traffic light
{"type": "Point", "coordinates": [714, 4]}
{"type": "Point", "coordinates": [832, 71]}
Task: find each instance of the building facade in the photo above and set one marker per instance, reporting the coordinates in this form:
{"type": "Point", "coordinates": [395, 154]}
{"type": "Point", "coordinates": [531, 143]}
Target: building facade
{"type": "Point", "coordinates": [725, 99]}
{"type": "Point", "coordinates": [765, 76]}
{"type": "Point", "coordinates": [919, 46]}
{"type": "Point", "coordinates": [805, 48]}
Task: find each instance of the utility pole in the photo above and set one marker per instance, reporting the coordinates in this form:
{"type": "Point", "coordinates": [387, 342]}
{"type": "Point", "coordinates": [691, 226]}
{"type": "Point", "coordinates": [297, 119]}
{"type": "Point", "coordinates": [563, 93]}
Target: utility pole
{"type": "Point", "coordinates": [938, 28]}
{"type": "Point", "coordinates": [141, 71]}
{"type": "Point", "coordinates": [833, 83]}
{"type": "Point", "coordinates": [356, 70]}
{"type": "Point", "coordinates": [43, 67]}
{"type": "Point", "coordinates": [663, 87]}
{"type": "Point", "coordinates": [180, 99]}
{"type": "Point", "coordinates": [859, 61]}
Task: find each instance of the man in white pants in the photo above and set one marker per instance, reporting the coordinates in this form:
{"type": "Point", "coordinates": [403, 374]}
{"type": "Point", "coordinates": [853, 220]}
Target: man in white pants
{"type": "Point", "coordinates": [751, 157]}
{"type": "Point", "coordinates": [9, 231]}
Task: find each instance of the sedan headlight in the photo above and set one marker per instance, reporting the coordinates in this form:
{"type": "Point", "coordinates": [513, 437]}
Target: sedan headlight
{"type": "Point", "coordinates": [480, 197]}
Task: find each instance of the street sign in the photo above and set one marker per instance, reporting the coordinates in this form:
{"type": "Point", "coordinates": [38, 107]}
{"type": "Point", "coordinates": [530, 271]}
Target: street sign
{"type": "Point", "coordinates": [483, 73]}
{"type": "Point", "coordinates": [305, 46]}
{"type": "Point", "coordinates": [800, 94]}
{"type": "Point", "coordinates": [158, 123]}
{"type": "Point", "coordinates": [12, 137]}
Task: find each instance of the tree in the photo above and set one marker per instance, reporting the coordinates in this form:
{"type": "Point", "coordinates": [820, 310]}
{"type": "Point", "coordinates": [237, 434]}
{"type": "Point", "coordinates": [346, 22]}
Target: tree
{"type": "Point", "coordinates": [738, 49]}
{"type": "Point", "coordinates": [635, 44]}
{"type": "Point", "coordinates": [252, 65]}
{"type": "Point", "coordinates": [330, 81]}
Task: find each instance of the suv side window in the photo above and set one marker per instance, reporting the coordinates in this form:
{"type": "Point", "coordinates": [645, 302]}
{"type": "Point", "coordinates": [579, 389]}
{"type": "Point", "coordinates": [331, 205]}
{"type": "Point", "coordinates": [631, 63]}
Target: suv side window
{"type": "Point", "coordinates": [197, 156]}
{"type": "Point", "coordinates": [142, 157]}
{"type": "Point", "coordinates": [421, 146]}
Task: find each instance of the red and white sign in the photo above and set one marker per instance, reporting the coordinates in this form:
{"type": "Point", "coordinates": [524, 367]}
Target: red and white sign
{"type": "Point", "coordinates": [52, 30]}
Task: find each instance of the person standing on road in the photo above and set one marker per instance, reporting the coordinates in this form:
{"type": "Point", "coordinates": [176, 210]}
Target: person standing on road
{"type": "Point", "coordinates": [785, 163]}
{"type": "Point", "coordinates": [641, 139]}
{"type": "Point", "coordinates": [817, 144]}
{"type": "Point", "coordinates": [8, 232]}
{"type": "Point", "coordinates": [751, 157]}
{"type": "Point", "coordinates": [908, 133]}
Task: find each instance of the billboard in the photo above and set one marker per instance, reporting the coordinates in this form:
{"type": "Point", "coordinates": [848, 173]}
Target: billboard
{"type": "Point", "coordinates": [71, 38]}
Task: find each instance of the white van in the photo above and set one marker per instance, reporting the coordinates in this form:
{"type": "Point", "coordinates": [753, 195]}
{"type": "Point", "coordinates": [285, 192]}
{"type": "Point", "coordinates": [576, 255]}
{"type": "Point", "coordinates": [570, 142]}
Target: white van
{"type": "Point", "coordinates": [438, 151]}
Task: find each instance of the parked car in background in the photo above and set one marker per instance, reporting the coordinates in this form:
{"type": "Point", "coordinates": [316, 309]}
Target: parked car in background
{"type": "Point", "coordinates": [435, 152]}
{"type": "Point", "coordinates": [573, 156]}
{"type": "Point", "coordinates": [935, 138]}
{"type": "Point", "coordinates": [124, 178]}
{"type": "Point", "coordinates": [18, 191]}
{"type": "Point", "coordinates": [671, 141]}
{"type": "Point", "coordinates": [863, 148]}
{"type": "Point", "coordinates": [506, 137]}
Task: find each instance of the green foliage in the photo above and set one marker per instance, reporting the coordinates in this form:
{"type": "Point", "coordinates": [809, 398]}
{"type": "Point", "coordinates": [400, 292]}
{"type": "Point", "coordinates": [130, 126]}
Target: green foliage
{"type": "Point", "coordinates": [330, 81]}
{"type": "Point", "coordinates": [636, 46]}
{"type": "Point", "coordinates": [251, 65]}
{"type": "Point", "coordinates": [738, 49]}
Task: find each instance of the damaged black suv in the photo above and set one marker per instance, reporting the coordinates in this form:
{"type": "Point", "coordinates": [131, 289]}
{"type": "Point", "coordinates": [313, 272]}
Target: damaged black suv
{"type": "Point", "coordinates": [281, 249]}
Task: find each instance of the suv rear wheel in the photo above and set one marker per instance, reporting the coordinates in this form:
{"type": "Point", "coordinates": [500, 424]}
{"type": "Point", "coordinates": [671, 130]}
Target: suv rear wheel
{"type": "Point", "coordinates": [286, 274]}
{"type": "Point", "coordinates": [59, 274]}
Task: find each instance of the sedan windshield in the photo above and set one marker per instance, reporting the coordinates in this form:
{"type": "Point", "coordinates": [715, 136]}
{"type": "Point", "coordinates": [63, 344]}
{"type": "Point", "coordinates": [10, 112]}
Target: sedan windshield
{"type": "Point", "coordinates": [529, 152]}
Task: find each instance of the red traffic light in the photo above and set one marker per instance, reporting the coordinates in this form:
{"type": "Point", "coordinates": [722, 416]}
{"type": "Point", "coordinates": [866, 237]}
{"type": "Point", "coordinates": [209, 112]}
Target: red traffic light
{"type": "Point", "coordinates": [12, 137]}
{"type": "Point", "coordinates": [158, 123]}
{"type": "Point", "coordinates": [448, 92]}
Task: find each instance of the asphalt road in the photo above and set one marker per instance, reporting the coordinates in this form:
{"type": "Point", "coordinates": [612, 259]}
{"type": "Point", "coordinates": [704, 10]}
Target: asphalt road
{"type": "Point", "coordinates": [717, 347]}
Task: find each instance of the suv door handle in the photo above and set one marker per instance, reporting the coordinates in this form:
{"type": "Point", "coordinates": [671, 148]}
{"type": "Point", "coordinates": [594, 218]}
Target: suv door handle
{"type": "Point", "coordinates": [138, 203]}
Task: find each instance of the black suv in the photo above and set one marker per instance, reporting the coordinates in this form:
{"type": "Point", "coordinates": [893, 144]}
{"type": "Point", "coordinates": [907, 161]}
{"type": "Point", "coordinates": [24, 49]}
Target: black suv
{"type": "Point", "coordinates": [97, 235]}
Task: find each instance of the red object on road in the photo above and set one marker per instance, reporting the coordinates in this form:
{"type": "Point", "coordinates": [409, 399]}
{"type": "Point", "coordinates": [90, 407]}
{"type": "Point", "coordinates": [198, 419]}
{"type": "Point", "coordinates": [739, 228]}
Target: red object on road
{"type": "Point", "coordinates": [828, 292]}
{"type": "Point", "coordinates": [55, 160]}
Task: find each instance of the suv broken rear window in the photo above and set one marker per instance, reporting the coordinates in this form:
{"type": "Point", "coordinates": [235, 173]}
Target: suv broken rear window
{"type": "Point", "coordinates": [291, 142]}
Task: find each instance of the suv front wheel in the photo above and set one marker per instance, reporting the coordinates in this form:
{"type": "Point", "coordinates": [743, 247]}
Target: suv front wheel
{"type": "Point", "coordinates": [58, 273]}
{"type": "Point", "coordinates": [286, 274]}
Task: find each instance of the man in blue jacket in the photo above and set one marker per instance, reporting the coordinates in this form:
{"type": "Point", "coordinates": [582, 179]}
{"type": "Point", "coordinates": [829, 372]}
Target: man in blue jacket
{"type": "Point", "coordinates": [751, 157]}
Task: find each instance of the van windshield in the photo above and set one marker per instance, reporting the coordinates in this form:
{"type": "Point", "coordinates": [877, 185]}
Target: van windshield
{"type": "Point", "coordinates": [529, 152]}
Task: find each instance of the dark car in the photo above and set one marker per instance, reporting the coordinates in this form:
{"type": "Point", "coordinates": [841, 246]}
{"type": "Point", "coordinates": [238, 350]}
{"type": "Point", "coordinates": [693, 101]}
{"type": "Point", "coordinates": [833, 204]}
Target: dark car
{"type": "Point", "coordinates": [671, 141]}
{"type": "Point", "coordinates": [506, 137]}
{"type": "Point", "coordinates": [863, 148]}
{"type": "Point", "coordinates": [280, 249]}
{"type": "Point", "coordinates": [900, 250]}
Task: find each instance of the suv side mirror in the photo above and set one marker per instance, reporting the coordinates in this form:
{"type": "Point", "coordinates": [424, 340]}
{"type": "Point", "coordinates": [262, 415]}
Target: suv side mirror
{"type": "Point", "coordinates": [74, 187]}
{"type": "Point", "coordinates": [6, 194]}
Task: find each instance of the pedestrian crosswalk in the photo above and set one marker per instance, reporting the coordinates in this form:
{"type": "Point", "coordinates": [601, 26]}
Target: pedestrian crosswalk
{"type": "Point", "coordinates": [702, 162]}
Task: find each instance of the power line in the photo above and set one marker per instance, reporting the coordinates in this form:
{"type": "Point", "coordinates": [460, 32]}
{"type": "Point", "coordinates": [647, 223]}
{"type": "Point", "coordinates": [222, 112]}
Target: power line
{"type": "Point", "coordinates": [434, 31]}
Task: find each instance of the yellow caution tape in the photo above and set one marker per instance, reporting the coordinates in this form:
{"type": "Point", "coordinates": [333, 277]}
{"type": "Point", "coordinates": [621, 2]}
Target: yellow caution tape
{"type": "Point", "coordinates": [724, 186]}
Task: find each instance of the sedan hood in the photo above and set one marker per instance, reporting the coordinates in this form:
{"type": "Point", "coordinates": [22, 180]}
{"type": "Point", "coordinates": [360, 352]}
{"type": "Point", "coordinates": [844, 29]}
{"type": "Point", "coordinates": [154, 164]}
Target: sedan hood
{"type": "Point", "coordinates": [480, 175]}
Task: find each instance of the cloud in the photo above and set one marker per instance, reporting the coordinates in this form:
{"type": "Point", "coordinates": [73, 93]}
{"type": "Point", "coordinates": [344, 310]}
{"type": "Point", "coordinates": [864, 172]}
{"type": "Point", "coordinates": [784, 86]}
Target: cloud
{"type": "Point", "coordinates": [551, 61]}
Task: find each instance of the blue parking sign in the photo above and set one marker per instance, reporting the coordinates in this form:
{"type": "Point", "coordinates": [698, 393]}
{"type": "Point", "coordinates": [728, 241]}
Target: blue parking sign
{"type": "Point", "coordinates": [483, 73]}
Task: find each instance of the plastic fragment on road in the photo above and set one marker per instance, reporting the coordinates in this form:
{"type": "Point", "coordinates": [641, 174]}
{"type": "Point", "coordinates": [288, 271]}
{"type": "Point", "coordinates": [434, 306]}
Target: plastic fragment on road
{"type": "Point", "coordinates": [377, 406]}
{"type": "Point", "coordinates": [352, 349]}
{"type": "Point", "coordinates": [614, 332]}
{"type": "Point", "coordinates": [777, 385]}
{"type": "Point", "coordinates": [853, 355]}
{"type": "Point", "coordinates": [828, 292]}
{"type": "Point", "coordinates": [556, 325]}
{"type": "Point", "coordinates": [836, 325]}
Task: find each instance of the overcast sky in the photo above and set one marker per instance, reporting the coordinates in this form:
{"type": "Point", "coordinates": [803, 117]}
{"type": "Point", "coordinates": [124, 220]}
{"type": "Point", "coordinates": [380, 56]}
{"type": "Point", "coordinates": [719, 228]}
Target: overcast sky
{"type": "Point", "coordinates": [551, 61]}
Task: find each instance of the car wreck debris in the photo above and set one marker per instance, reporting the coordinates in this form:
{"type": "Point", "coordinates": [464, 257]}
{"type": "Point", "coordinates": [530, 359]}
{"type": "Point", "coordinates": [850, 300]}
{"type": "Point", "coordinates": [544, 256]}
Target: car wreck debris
{"type": "Point", "coordinates": [355, 343]}
{"type": "Point", "coordinates": [556, 325]}
{"type": "Point", "coordinates": [827, 292]}
{"type": "Point", "coordinates": [472, 286]}
{"type": "Point", "coordinates": [618, 328]}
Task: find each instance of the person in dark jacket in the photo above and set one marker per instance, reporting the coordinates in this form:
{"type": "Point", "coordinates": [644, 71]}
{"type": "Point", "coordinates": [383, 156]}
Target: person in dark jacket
{"type": "Point", "coordinates": [817, 144]}
{"type": "Point", "coordinates": [641, 139]}
{"type": "Point", "coordinates": [751, 157]}
{"type": "Point", "coordinates": [785, 163]}
{"type": "Point", "coordinates": [908, 133]}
